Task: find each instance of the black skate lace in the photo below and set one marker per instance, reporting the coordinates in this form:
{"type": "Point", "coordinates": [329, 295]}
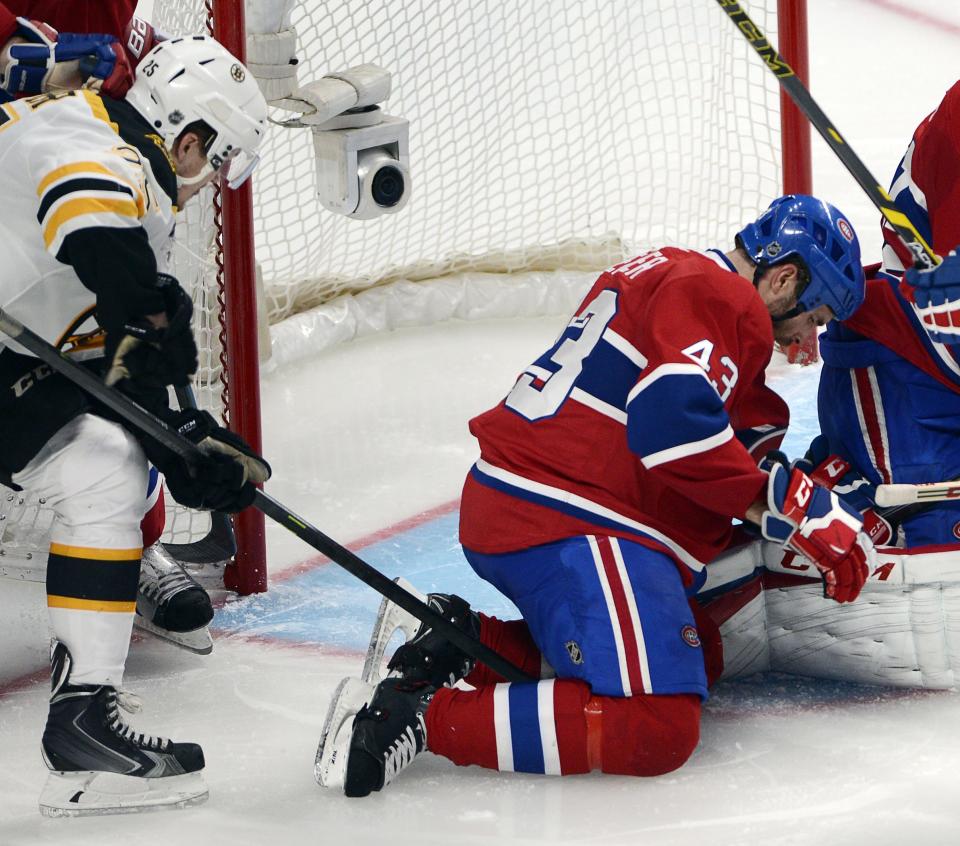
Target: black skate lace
{"type": "Point", "coordinates": [403, 750]}
{"type": "Point", "coordinates": [131, 704]}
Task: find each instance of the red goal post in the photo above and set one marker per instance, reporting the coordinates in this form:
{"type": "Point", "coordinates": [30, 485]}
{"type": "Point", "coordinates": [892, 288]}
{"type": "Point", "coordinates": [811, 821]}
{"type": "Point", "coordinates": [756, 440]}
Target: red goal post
{"type": "Point", "coordinates": [331, 32]}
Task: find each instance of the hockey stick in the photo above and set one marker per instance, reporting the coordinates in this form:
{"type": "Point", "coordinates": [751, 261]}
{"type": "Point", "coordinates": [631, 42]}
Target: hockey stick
{"type": "Point", "coordinates": [923, 255]}
{"type": "Point", "coordinates": [156, 429]}
{"type": "Point", "coordinates": [905, 495]}
{"type": "Point", "coordinates": [219, 544]}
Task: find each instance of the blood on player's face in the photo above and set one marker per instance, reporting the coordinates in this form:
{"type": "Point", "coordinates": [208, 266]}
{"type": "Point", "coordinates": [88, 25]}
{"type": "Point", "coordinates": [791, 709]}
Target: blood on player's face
{"type": "Point", "coordinates": [798, 329]}
{"type": "Point", "coordinates": [778, 288]}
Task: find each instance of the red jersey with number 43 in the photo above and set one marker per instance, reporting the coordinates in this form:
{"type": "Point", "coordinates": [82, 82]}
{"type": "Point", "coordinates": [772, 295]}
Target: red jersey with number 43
{"type": "Point", "coordinates": [631, 424]}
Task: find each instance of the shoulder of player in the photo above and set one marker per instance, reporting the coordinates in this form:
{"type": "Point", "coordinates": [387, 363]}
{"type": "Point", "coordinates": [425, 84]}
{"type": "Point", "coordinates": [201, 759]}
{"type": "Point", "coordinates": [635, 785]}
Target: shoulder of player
{"type": "Point", "coordinates": [708, 282]}
{"type": "Point", "coordinates": [100, 123]}
{"type": "Point", "coordinates": [136, 132]}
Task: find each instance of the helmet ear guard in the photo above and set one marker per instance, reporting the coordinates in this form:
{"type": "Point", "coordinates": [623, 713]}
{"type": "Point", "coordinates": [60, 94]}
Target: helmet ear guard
{"type": "Point", "coordinates": [816, 236]}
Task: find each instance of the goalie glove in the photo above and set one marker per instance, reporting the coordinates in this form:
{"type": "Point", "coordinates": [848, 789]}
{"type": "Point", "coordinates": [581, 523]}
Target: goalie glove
{"type": "Point", "coordinates": [45, 60]}
{"type": "Point", "coordinates": [225, 477]}
{"type": "Point", "coordinates": [812, 521]}
{"type": "Point", "coordinates": [935, 295]}
{"type": "Point", "coordinates": [143, 357]}
{"type": "Point", "coordinates": [836, 474]}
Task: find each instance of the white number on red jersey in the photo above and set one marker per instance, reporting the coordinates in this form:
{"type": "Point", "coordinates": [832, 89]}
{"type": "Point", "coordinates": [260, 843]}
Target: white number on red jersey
{"type": "Point", "coordinates": [701, 353]}
{"type": "Point", "coordinates": [547, 383]}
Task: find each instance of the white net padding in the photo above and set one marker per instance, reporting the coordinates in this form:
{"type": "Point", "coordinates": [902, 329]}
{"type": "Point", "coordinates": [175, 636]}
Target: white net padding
{"type": "Point", "coordinates": [544, 136]}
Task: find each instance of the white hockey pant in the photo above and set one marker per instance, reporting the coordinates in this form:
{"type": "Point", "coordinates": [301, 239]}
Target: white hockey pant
{"type": "Point", "coordinates": [93, 474]}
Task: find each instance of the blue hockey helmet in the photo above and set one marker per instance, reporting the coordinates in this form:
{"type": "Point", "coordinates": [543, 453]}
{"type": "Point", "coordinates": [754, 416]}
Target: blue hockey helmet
{"type": "Point", "coordinates": [800, 228]}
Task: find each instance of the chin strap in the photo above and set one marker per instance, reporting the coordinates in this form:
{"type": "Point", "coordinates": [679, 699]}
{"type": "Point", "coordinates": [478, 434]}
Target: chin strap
{"type": "Point", "coordinates": [184, 181]}
{"type": "Point", "coordinates": [794, 312]}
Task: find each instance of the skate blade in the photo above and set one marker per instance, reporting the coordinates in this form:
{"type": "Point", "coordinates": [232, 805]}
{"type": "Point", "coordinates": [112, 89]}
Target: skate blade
{"type": "Point", "coordinates": [330, 766]}
{"type": "Point", "coordinates": [98, 793]}
{"type": "Point", "coordinates": [390, 618]}
{"type": "Point", "coordinates": [198, 641]}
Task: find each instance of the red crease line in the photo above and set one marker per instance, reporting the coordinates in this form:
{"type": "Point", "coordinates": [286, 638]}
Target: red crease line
{"type": "Point", "coordinates": [916, 15]}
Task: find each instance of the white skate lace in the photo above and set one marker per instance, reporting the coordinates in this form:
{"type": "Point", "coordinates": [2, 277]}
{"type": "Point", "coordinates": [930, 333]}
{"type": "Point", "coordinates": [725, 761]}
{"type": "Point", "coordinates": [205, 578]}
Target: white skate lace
{"type": "Point", "coordinates": [403, 751]}
{"type": "Point", "coordinates": [130, 703]}
{"type": "Point", "coordinates": [166, 585]}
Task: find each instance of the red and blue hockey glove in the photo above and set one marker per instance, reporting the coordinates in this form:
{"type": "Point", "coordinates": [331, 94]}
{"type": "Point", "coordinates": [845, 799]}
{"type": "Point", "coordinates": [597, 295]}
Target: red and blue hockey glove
{"type": "Point", "coordinates": [836, 474]}
{"type": "Point", "coordinates": [813, 522]}
{"type": "Point", "coordinates": [46, 60]}
{"type": "Point", "coordinates": [935, 294]}
{"type": "Point", "coordinates": [139, 38]}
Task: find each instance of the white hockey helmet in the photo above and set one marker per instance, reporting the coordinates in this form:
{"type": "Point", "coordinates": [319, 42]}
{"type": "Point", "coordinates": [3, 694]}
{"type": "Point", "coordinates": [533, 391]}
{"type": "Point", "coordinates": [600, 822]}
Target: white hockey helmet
{"type": "Point", "coordinates": [195, 78]}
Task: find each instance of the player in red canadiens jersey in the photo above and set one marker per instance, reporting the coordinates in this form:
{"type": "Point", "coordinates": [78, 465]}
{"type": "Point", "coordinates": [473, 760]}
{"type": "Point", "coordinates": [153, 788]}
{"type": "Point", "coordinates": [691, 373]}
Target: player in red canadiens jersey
{"type": "Point", "coordinates": [889, 394]}
{"type": "Point", "coordinates": [608, 477]}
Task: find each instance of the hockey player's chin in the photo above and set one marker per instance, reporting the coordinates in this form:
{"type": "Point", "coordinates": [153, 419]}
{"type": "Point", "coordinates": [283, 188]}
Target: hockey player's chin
{"type": "Point", "coordinates": [785, 335]}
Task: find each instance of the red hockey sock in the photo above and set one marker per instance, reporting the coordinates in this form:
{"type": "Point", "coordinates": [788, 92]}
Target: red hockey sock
{"type": "Point", "coordinates": [512, 640]}
{"type": "Point", "coordinates": [557, 727]}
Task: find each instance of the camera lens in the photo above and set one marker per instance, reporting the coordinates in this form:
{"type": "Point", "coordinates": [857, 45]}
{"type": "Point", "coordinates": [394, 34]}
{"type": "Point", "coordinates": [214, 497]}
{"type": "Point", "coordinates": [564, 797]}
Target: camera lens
{"type": "Point", "coordinates": [387, 186]}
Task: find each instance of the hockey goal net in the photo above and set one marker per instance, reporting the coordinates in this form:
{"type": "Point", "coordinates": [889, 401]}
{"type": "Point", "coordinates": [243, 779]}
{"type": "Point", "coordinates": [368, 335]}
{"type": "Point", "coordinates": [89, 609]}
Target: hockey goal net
{"type": "Point", "coordinates": [545, 136]}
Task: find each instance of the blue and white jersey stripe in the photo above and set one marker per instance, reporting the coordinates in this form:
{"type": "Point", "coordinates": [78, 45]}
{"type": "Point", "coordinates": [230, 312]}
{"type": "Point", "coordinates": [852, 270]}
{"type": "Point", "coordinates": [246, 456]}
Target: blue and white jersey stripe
{"type": "Point", "coordinates": [659, 436]}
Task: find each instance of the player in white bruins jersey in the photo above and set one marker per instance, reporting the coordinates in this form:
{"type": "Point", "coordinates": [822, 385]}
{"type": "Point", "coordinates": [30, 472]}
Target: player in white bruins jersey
{"type": "Point", "coordinates": [91, 186]}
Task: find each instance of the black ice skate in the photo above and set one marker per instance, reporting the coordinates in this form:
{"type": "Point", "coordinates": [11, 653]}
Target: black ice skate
{"type": "Point", "coordinates": [171, 604]}
{"type": "Point", "coordinates": [387, 733]}
{"type": "Point", "coordinates": [427, 655]}
{"type": "Point", "coordinates": [99, 765]}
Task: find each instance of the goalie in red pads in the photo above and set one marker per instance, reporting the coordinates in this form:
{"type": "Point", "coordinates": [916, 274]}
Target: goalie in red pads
{"type": "Point", "coordinates": [607, 480]}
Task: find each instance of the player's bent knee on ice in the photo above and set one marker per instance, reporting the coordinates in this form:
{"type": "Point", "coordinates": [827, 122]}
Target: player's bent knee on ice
{"type": "Point", "coordinates": [94, 474]}
{"type": "Point", "coordinates": [649, 735]}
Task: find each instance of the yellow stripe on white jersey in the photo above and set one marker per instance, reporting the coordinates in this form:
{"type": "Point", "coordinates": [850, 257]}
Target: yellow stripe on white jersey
{"type": "Point", "coordinates": [96, 553]}
{"type": "Point", "coordinates": [86, 212]}
{"type": "Point", "coordinates": [66, 170]}
{"type": "Point", "coordinates": [102, 605]}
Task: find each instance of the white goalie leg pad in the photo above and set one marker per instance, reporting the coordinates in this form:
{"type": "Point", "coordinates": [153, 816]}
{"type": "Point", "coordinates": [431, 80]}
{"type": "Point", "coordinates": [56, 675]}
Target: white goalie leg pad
{"type": "Point", "coordinates": [98, 793]}
{"type": "Point", "coordinates": [330, 766]}
{"type": "Point", "coordinates": [903, 630]}
{"type": "Point", "coordinates": [732, 596]}
{"type": "Point", "coordinates": [746, 647]}
{"type": "Point", "coordinates": [390, 618]}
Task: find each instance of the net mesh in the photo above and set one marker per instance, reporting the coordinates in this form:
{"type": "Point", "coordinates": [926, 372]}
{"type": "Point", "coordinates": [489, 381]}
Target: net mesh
{"type": "Point", "coordinates": [535, 126]}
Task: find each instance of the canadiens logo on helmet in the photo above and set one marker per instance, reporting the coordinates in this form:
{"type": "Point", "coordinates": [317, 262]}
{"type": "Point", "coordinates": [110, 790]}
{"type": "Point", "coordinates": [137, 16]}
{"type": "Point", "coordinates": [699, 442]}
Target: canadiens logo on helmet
{"type": "Point", "coordinates": [238, 73]}
{"type": "Point", "coordinates": [956, 530]}
{"type": "Point", "coordinates": [845, 229]}
{"type": "Point", "coordinates": [690, 636]}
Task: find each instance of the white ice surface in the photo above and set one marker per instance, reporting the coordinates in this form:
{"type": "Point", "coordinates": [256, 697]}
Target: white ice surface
{"type": "Point", "coordinates": [373, 433]}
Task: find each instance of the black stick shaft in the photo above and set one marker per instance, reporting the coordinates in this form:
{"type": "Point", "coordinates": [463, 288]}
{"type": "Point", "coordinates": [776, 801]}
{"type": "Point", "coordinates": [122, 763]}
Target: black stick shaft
{"type": "Point", "coordinates": [923, 254]}
{"type": "Point", "coordinates": [356, 566]}
{"type": "Point", "coordinates": [149, 425]}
